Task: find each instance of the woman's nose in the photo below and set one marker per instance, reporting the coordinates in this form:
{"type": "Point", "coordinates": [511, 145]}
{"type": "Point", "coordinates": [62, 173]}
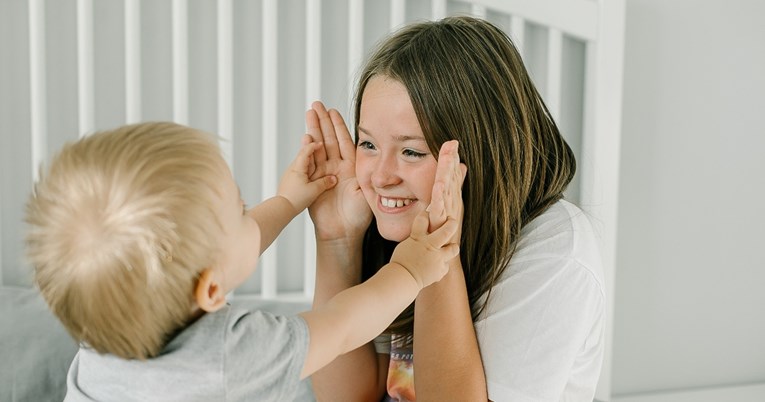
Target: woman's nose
{"type": "Point", "coordinates": [385, 172]}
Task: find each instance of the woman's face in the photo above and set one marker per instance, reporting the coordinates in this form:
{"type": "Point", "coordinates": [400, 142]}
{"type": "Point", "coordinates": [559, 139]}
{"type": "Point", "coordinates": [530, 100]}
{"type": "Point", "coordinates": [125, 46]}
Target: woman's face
{"type": "Point", "coordinates": [394, 166]}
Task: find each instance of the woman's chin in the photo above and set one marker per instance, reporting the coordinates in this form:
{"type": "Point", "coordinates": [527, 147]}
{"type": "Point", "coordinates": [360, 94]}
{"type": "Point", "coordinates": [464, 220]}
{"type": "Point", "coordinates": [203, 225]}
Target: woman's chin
{"type": "Point", "coordinates": [397, 234]}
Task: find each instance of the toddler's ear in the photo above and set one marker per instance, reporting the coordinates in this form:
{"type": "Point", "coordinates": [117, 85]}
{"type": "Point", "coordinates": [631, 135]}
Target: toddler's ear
{"type": "Point", "coordinates": [209, 293]}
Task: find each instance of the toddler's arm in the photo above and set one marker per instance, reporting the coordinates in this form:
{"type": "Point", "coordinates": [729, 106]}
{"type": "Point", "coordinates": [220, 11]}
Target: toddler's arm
{"type": "Point", "coordinates": [296, 191]}
{"type": "Point", "coordinates": [357, 315]}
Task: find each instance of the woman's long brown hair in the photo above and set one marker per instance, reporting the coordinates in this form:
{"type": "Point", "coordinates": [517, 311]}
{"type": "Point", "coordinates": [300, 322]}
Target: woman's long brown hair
{"type": "Point", "coordinates": [467, 81]}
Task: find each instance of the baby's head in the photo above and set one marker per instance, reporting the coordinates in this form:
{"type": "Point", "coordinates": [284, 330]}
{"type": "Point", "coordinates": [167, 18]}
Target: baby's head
{"type": "Point", "coordinates": [122, 225]}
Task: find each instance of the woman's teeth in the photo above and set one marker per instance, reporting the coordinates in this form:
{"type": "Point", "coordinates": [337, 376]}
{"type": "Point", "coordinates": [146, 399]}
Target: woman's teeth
{"type": "Point", "coordinates": [394, 203]}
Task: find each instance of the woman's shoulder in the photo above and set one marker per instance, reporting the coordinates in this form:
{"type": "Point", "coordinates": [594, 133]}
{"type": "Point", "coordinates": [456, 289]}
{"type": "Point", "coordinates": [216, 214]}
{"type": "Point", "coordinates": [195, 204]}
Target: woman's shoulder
{"type": "Point", "coordinates": [561, 238]}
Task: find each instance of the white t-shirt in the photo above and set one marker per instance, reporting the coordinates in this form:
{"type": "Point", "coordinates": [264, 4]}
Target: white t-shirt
{"type": "Point", "coordinates": [541, 334]}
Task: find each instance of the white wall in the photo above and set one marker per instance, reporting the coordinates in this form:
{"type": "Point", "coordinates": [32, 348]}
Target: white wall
{"type": "Point", "coordinates": [690, 281]}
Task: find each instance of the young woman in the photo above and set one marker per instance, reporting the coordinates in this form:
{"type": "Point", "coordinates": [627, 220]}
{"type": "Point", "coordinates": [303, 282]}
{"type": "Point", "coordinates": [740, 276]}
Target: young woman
{"type": "Point", "coordinates": [519, 316]}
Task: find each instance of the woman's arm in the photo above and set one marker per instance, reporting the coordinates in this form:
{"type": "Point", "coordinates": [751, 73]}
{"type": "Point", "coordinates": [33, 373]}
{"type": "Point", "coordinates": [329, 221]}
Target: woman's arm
{"type": "Point", "coordinates": [447, 361]}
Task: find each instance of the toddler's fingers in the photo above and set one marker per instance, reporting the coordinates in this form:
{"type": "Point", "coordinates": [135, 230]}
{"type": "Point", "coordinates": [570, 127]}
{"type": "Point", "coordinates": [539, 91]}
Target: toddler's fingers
{"type": "Point", "coordinates": [436, 209]}
{"type": "Point", "coordinates": [322, 184]}
{"type": "Point", "coordinates": [452, 250]}
{"type": "Point", "coordinates": [315, 131]}
{"type": "Point", "coordinates": [420, 225]}
{"type": "Point", "coordinates": [305, 140]}
{"type": "Point", "coordinates": [442, 235]}
{"type": "Point", "coordinates": [306, 153]}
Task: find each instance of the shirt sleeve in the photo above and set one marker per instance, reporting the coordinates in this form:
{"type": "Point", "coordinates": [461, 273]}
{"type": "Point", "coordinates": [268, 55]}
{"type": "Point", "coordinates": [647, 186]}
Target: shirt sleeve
{"type": "Point", "coordinates": [538, 322]}
{"type": "Point", "coordinates": [264, 356]}
{"type": "Point", "coordinates": [382, 344]}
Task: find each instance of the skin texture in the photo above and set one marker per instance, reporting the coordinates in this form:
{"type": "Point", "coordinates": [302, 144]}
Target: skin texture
{"type": "Point", "coordinates": [387, 163]}
{"type": "Point", "coordinates": [351, 317]}
{"type": "Point", "coordinates": [393, 162]}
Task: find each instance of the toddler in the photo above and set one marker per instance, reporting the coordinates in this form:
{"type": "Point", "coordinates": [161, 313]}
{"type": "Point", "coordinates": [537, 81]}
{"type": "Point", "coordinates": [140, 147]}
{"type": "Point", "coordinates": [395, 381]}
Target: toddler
{"type": "Point", "coordinates": [136, 236]}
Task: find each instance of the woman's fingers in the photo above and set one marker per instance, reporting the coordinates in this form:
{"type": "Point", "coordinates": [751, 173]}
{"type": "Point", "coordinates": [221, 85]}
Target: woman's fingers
{"type": "Point", "coordinates": [442, 198]}
{"type": "Point", "coordinates": [327, 130]}
{"type": "Point", "coordinates": [344, 140]}
{"type": "Point", "coordinates": [436, 209]}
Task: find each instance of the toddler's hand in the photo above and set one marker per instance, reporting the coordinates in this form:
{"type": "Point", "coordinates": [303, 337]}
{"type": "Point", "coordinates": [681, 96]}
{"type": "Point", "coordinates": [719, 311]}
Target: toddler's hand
{"type": "Point", "coordinates": [426, 256]}
{"type": "Point", "coordinates": [296, 185]}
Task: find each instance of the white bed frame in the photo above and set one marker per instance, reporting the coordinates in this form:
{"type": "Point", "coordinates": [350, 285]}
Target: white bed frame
{"type": "Point", "coordinates": [247, 70]}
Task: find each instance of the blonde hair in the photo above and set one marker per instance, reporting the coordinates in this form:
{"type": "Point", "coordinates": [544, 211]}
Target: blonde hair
{"type": "Point", "coordinates": [121, 225]}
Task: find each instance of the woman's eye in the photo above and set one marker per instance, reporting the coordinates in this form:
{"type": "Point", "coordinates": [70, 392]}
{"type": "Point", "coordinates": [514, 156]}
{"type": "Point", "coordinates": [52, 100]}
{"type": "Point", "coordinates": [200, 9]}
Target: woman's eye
{"type": "Point", "coordinates": [366, 145]}
{"type": "Point", "coordinates": [413, 154]}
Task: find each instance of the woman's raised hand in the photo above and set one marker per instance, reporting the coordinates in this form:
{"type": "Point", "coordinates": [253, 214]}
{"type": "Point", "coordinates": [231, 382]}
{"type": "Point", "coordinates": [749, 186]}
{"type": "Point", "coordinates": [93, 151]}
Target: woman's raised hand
{"type": "Point", "coordinates": [446, 199]}
{"type": "Point", "coordinates": [341, 212]}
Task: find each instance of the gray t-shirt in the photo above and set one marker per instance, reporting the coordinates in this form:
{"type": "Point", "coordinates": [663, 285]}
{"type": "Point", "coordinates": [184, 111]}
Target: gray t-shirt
{"type": "Point", "coordinates": [229, 355]}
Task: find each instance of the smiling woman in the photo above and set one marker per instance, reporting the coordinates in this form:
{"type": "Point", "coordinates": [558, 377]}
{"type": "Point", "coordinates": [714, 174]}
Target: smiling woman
{"type": "Point", "coordinates": [528, 285]}
{"type": "Point", "coordinates": [394, 166]}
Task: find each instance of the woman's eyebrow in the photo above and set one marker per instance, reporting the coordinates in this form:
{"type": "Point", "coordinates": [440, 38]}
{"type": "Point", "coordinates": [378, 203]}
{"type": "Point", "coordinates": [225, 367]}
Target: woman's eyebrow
{"type": "Point", "coordinates": [399, 138]}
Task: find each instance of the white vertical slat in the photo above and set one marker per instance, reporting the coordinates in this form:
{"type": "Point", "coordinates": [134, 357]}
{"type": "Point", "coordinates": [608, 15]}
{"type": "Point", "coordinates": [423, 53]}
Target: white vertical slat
{"type": "Point", "coordinates": [180, 62]}
{"type": "Point", "coordinates": [355, 40]}
{"type": "Point", "coordinates": [85, 86]}
{"type": "Point", "coordinates": [397, 13]}
{"type": "Point", "coordinates": [478, 10]}
{"type": "Point", "coordinates": [577, 18]}
{"type": "Point", "coordinates": [268, 155]}
{"type": "Point", "coordinates": [518, 32]}
{"type": "Point", "coordinates": [132, 61]}
{"type": "Point", "coordinates": [225, 80]}
{"type": "Point", "coordinates": [312, 93]}
{"type": "Point", "coordinates": [438, 9]}
{"type": "Point", "coordinates": [554, 61]}
{"type": "Point", "coordinates": [2, 283]}
{"type": "Point", "coordinates": [601, 141]}
{"type": "Point", "coordinates": [37, 85]}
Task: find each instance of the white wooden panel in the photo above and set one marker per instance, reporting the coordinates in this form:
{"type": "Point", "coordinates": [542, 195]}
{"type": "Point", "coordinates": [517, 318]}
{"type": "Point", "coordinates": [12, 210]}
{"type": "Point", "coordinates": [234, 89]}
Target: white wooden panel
{"type": "Point", "coordinates": [85, 86]}
{"type": "Point", "coordinates": [601, 149]}
{"type": "Point", "coordinates": [518, 32]}
{"type": "Point", "coordinates": [132, 61]}
{"type": "Point", "coordinates": [313, 92]}
{"type": "Point", "coordinates": [180, 62]}
{"type": "Point", "coordinates": [37, 85]}
{"type": "Point", "coordinates": [225, 80]}
{"type": "Point", "coordinates": [577, 18]}
{"type": "Point", "coordinates": [438, 9]}
{"type": "Point", "coordinates": [397, 13]}
{"type": "Point", "coordinates": [313, 51]}
{"type": "Point", "coordinates": [554, 61]}
{"type": "Point", "coordinates": [478, 10]}
{"type": "Point", "coordinates": [269, 179]}
{"type": "Point", "coordinates": [355, 40]}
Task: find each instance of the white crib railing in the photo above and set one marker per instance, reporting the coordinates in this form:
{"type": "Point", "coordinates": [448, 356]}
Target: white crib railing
{"type": "Point", "coordinates": [247, 69]}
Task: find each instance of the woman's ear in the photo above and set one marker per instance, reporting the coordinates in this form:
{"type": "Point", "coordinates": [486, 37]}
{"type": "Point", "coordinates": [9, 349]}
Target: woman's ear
{"type": "Point", "coordinates": [209, 293]}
